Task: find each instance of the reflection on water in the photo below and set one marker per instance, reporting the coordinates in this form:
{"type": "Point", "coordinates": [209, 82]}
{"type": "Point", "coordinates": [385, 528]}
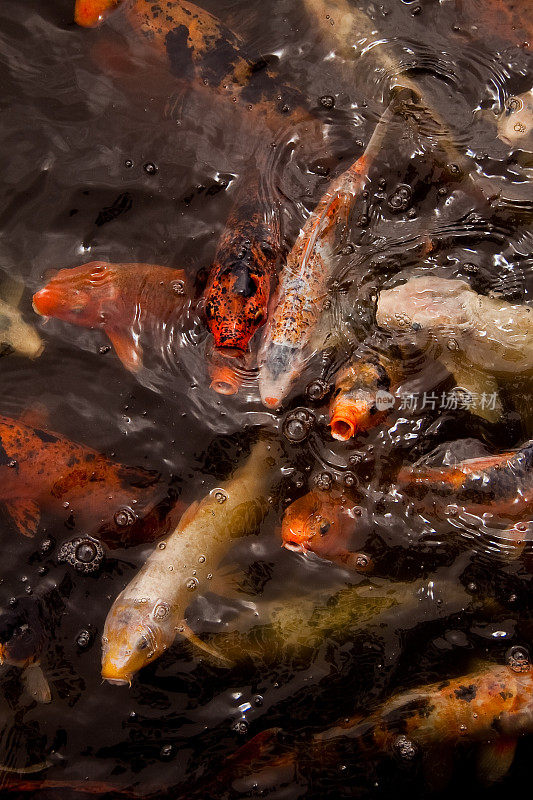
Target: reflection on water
{"type": "Point", "coordinates": [114, 155]}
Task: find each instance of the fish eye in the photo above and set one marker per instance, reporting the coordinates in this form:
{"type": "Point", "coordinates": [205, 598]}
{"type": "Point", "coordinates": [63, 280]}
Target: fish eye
{"type": "Point", "coordinates": [259, 315]}
{"type": "Point", "coordinates": [324, 527]}
{"type": "Point", "coordinates": [143, 643]}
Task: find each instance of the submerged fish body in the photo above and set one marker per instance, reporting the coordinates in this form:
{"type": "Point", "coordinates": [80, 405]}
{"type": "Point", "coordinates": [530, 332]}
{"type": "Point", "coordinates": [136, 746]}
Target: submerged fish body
{"type": "Point", "coordinates": [122, 299]}
{"type": "Point", "coordinates": [297, 305]}
{"type": "Point", "coordinates": [199, 48]}
{"type": "Point", "coordinates": [363, 393]}
{"type": "Point", "coordinates": [492, 706]}
{"type": "Point", "coordinates": [150, 612]}
{"type": "Point", "coordinates": [323, 523]}
{"type": "Point", "coordinates": [22, 639]}
{"type": "Point", "coordinates": [16, 335]}
{"type": "Point", "coordinates": [501, 484]}
{"type": "Point", "coordinates": [491, 334]}
{"type": "Point", "coordinates": [41, 470]}
{"type": "Point", "coordinates": [238, 291]}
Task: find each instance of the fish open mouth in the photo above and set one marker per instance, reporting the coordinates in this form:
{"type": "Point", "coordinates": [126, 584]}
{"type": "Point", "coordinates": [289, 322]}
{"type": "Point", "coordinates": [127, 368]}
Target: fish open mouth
{"type": "Point", "coordinates": [117, 681]}
{"type": "Point", "coordinates": [295, 547]}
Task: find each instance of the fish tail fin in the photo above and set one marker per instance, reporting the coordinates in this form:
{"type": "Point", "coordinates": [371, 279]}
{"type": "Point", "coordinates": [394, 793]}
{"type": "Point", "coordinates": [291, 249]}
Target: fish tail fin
{"type": "Point", "coordinates": [35, 684]}
{"type": "Point", "coordinates": [204, 646]}
{"type": "Point", "coordinates": [495, 759]}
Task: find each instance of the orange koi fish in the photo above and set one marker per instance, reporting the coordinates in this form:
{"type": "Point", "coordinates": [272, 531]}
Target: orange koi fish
{"type": "Point", "coordinates": [199, 48]}
{"type": "Point", "coordinates": [45, 471]}
{"type": "Point", "coordinates": [238, 291]}
{"type": "Point", "coordinates": [492, 706]}
{"type": "Point", "coordinates": [122, 299]}
{"type": "Point", "coordinates": [363, 396]}
{"type": "Point", "coordinates": [323, 523]}
{"type": "Point", "coordinates": [297, 304]}
{"type": "Point", "coordinates": [501, 484]}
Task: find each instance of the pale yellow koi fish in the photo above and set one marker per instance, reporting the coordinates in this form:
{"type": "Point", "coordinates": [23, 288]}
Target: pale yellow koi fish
{"type": "Point", "coordinates": [148, 614]}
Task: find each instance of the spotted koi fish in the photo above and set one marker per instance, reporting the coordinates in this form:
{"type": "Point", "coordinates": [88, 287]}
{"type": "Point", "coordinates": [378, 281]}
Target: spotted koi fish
{"type": "Point", "coordinates": [297, 305]}
{"type": "Point", "coordinates": [323, 522]}
{"type": "Point", "coordinates": [44, 471]}
{"type": "Point", "coordinates": [491, 707]}
{"type": "Point", "coordinates": [501, 484]}
{"type": "Point", "coordinates": [124, 300]}
{"type": "Point", "coordinates": [199, 48]}
{"type": "Point", "coordinates": [238, 290]}
{"type": "Point", "coordinates": [363, 396]}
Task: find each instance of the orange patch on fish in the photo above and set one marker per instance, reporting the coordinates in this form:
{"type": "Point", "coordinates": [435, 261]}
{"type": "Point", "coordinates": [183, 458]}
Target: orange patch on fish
{"type": "Point", "coordinates": [89, 13]}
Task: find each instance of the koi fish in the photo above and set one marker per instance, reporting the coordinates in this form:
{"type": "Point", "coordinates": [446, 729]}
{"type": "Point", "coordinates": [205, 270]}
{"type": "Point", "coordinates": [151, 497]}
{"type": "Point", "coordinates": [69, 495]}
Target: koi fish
{"type": "Point", "coordinates": [491, 706]}
{"type": "Point", "coordinates": [89, 13]}
{"type": "Point", "coordinates": [238, 290]}
{"type": "Point", "coordinates": [501, 484]}
{"type": "Point", "coordinates": [199, 48]}
{"type": "Point", "coordinates": [124, 300]}
{"type": "Point", "coordinates": [296, 306]}
{"type": "Point", "coordinates": [293, 627]}
{"type": "Point", "coordinates": [322, 522]}
{"type": "Point", "coordinates": [22, 639]}
{"type": "Point", "coordinates": [363, 396]}
{"type": "Point", "coordinates": [16, 336]}
{"type": "Point", "coordinates": [45, 471]}
{"type": "Point", "coordinates": [511, 21]}
{"type": "Point", "coordinates": [480, 340]}
{"type": "Point", "coordinates": [150, 611]}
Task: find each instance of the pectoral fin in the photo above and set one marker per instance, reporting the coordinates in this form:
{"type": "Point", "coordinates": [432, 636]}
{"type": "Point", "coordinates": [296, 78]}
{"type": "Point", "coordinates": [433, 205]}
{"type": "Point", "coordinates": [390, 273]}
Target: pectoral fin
{"type": "Point", "coordinates": [204, 646]}
{"type": "Point", "coordinates": [482, 386]}
{"type": "Point", "coordinates": [25, 514]}
{"type": "Point", "coordinates": [36, 684]}
{"type": "Point", "coordinates": [495, 759]}
{"type": "Point", "coordinates": [127, 349]}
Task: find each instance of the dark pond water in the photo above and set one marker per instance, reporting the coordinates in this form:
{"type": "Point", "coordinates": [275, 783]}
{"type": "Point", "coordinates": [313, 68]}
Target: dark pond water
{"type": "Point", "coordinates": [105, 155]}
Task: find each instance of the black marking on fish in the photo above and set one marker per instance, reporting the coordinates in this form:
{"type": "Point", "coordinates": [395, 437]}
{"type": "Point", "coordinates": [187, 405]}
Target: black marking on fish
{"type": "Point", "coordinates": [48, 438]}
{"type": "Point", "coordinates": [180, 55]}
{"type": "Point", "coordinates": [5, 460]}
{"type": "Point", "coordinates": [219, 62]}
{"type": "Point", "coordinates": [467, 693]}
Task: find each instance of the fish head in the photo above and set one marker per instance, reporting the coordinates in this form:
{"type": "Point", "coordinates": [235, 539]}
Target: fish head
{"type": "Point", "coordinates": [136, 632]}
{"type": "Point", "coordinates": [236, 303]}
{"type": "Point", "coordinates": [90, 13]}
{"type": "Point", "coordinates": [280, 365]}
{"type": "Point", "coordinates": [81, 295]}
{"type": "Point", "coordinates": [311, 522]}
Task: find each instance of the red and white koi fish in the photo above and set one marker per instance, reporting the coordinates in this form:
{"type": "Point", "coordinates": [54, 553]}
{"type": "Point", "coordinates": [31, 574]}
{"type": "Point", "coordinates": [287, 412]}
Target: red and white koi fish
{"type": "Point", "coordinates": [121, 299]}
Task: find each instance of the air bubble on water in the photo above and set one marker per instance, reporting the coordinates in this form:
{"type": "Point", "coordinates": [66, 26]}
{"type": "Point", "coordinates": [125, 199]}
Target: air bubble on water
{"type": "Point", "coordinates": [124, 517]}
{"type": "Point", "coordinates": [150, 168]}
{"type": "Point", "coordinates": [324, 481]}
{"type": "Point", "coordinates": [518, 659]}
{"type": "Point", "coordinates": [350, 479]}
{"type": "Point", "coordinates": [220, 496]}
{"type": "Point", "coordinates": [178, 287]}
{"type": "Point", "coordinates": [298, 424]}
{"type": "Point", "coordinates": [192, 584]}
{"type": "Point", "coordinates": [85, 554]}
{"type": "Point", "coordinates": [162, 545]}
{"type": "Point", "coordinates": [84, 639]}
{"type": "Point", "coordinates": [327, 100]}
{"type": "Point", "coordinates": [240, 727]}
{"type": "Point", "coordinates": [201, 559]}
{"type": "Point", "coordinates": [405, 748]}
{"type": "Point", "coordinates": [317, 390]}
{"type": "Point", "coordinates": [258, 700]}
{"type": "Point", "coordinates": [400, 199]}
